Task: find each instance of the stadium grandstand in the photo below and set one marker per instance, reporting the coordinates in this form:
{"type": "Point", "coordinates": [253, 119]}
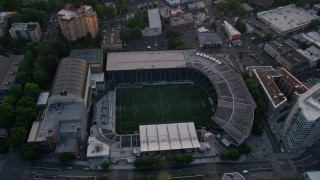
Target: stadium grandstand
{"type": "Point", "coordinates": [232, 104]}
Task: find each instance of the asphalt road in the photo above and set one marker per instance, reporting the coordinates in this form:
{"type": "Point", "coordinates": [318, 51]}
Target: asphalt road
{"type": "Point", "coordinates": [52, 31]}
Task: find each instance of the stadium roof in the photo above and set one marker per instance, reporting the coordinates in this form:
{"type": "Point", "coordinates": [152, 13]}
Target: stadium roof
{"type": "Point", "coordinates": [154, 18]}
{"type": "Point", "coordinates": [71, 76]}
{"type": "Point", "coordinates": [160, 137]}
{"type": "Point", "coordinates": [145, 60]}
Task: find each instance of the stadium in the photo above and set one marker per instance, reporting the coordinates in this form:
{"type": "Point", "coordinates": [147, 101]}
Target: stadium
{"type": "Point", "coordinates": [178, 87]}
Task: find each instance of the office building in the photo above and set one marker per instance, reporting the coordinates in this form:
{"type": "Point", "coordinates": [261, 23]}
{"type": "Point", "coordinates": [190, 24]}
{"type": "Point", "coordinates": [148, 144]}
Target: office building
{"type": "Point", "coordinates": [287, 19]}
{"type": "Point", "coordinates": [312, 54]}
{"type": "Point", "coordinates": [263, 3]}
{"type": "Point", "coordinates": [30, 31]}
{"type": "Point", "coordinates": [311, 175]}
{"type": "Point", "coordinates": [286, 56]}
{"type": "Point", "coordinates": [63, 127]}
{"type": "Point", "coordinates": [78, 22]}
{"type": "Point", "coordinates": [155, 27]}
{"type": "Point", "coordinates": [279, 89]}
{"type": "Point", "coordinates": [301, 128]}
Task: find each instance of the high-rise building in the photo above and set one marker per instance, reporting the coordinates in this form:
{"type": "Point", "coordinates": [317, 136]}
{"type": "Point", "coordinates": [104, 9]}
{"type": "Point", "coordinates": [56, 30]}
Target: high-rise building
{"type": "Point", "coordinates": [301, 128]}
{"type": "Point", "coordinates": [30, 31]}
{"type": "Point", "coordinates": [264, 3]}
{"type": "Point", "coordinates": [76, 23]}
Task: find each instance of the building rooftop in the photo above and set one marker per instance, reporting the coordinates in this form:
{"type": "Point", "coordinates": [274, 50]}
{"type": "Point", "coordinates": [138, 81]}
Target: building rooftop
{"type": "Point", "coordinates": [181, 20]}
{"type": "Point", "coordinates": [96, 78]}
{"type": "Point", "coordinates": [71, 77]}
{"type": "Point", "coordinates": [230, 28]}
{"type": "Point", "coordinates": [198, 5]}
{"type": "Point", "coordinates": [43, 99]}
{"type": "Point", "coordinates": [165, 11]}
{"type": "Point", "coordinates": [145, 60]}
{"type": "Point", "coordinates": [233, 176]}
{"type": "Point", "coordinates": [159, 137]}
{"type": "Point", "coordinates": [313, 175]}
{"type": "Point", "coordinates": [97, 148]}
{"type": "Point", "coordinates": [154, 18]}
{"type": "Point", "coordinates": [68, 12]}
{"type": "Point", "coordinates": [66, 145]}
{"type": "Point", "coordinates": [24, 26]}
{"type": "Point", "coordinates": [92, 56]}
{"type": "Point", "coordinates": [209, 37]}
{"type": "Point", "coordinates": [312, 53]}
{"type": "Point", "coordinates": [280, 46]}
{"type": "Point", "coordinates": [287, 17]}
{"type": "Point", "coordinates": [309, 103]}
{"type": "Point", "coordinates": [267, 81]}
{"type": "Point", "coordinates": [295, 59]}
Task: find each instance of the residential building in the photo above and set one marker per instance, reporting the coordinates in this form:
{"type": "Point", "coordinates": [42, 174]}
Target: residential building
{"type": "Point", "coordinates": [301, 128]}
{"type": "Point", "coordinates": [196, 6]}
{"type": "Point", "coordinates": [311, 175]}
{"type": "Point", "coordinates": [182, 21]}
{"type": "Point", "coordinates": [286, 56]}
{"type": "Point", "coordinates": [155, 27]}
{"type": "Point", "coordinates": [4, 25]}
{"type": "Point", "coordinates": [8, 68]}
{"type": "Point", "coordinates": [165, 12]}
{"type": "Point", "coordinates": [232, 176]}
{"type": "Point", "coordinates": [286, 19]}
{"type": "Point", "coordinates": [30, 31]}
{"type": "Point", "coordinates": [63, 127]}
{"type": "Point", "coordinates": [233, 33]}
{"type": "Point", "coordinates": [76, 23]}
{"type": "Point", "coordinates": [263, 3]}
{"type": "Point", "coordinates": [280, 88]}
{"type": "Point", "coordinates": [176, 11]}
{"type": "Point", "coordinates": [312, 54]}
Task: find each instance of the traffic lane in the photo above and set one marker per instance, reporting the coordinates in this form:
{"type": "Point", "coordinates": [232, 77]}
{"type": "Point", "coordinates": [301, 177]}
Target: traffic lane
{"type": "Point", "coordinates": [272, 138]}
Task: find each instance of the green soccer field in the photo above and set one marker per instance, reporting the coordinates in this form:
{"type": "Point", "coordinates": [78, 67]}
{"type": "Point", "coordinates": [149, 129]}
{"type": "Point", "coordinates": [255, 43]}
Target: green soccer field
{"type": "Point", "coordinates": [155, 104]}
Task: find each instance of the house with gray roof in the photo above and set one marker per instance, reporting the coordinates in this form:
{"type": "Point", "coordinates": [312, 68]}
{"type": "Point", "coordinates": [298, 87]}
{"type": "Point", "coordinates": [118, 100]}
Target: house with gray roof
{"type": "Point", "coordinates": [155, 27]}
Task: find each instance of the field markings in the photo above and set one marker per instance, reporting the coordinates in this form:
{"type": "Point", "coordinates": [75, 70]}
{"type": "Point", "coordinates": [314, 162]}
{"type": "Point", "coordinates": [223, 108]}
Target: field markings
{"type": "Point", "coordinates": [161, 104]}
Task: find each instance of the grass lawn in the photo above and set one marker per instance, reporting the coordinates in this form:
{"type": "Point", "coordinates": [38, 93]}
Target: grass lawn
{"type": "Point", "coordinates": [155, 104]}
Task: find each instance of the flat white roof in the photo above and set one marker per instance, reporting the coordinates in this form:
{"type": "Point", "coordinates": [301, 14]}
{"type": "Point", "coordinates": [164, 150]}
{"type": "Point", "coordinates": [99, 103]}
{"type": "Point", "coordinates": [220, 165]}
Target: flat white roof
{"type": "Point", "coordinates": [159, 137]}
{"type": "Point", "coordinates": [309, 102]}
{"type": "Point", "coordinates": [313, 175]}
{"type": "Point", "coordinates": [43, 98]}
{"type": "Point", "coordinates": [96, 148]}
{"type": "Point", "coordinates": [145, 60]}
{"type": "Point", "coordinates": [287, 17]}
{"type": "Point", "coordinates": [230, 28]}
{"type": "Point", "coordinates": [154, 18]}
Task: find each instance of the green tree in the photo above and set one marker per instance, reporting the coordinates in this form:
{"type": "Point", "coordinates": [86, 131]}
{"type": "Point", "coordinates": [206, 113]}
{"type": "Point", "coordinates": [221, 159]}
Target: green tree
{"type": "Point", "coordinates": [34, 15]}
{"type": "Point", "coordinates": [24, 116]}
{"type": "Point", "coordinates": [29, 152]}
{"type": "Point", "coordinates": [244, 149]}
{"type": "Point", "coordinates": [105, 165]}
{"type": "Point", "coordinates": [187, 158]}
{"type": "Point", "coordinates": [32, 90]}
{"type": "Point", "coordinates": [314, 23]}
{"type": "Point", "coordinates": [40, 77]}
{"type": "Point", "coordinates": [268, 37]}
{"type": "Point", "coordinates": [303, 45]}
{"type": "Point", "coordinates": [66, 158]}
{"type": "Point", "coordinates": [110, 10]}
{"type": "Point", "coordinates": [12, 5]}
{"type": "Point", "coordinates": [101, 10]}
{"type": "Point", "coordinates": [61, 47]}
{"type": "Point", "coordinates": [11, 100]}
{"type": "Point", "coordinates": [40, 5]}
{"type": "Point", "coordinates": [18, 136]}
{"type": "Point", "coordinates": [15, 91]}
{"type": "Point", "coordinates": [241, 26]}
{"type": "Point", "coordinates": [26, 102]}
{"type": "Point", "coordinates": [6, 115]}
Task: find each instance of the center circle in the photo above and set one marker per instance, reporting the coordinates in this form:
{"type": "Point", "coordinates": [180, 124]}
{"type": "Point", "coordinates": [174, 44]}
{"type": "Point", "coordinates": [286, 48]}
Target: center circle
{"type": "Point", "coordinates": [161, 107]}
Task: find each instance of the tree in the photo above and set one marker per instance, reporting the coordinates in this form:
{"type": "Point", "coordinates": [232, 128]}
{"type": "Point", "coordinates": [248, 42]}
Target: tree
{"type": "Point", "coordinates": [41, 78]}
{"type": "Point", "coordinates": [61, 47]}
{"type": "Point", "coordinates": [12, 5]}
{"type": "Point", "coordinates": [268, 37]}
{"type": "Point", "coordinates": [234, 154]}
{"type": "Point", "coordinates": [105, 165]}
{"type": "Point", "coordinates": [18, 136]}
{"type": "Point", "coordinates": [24, 116]}
{"type": "Point", "coordinates": [214, 25]}
{"type": "Point", "coordinates": [66, 158]}
{"type": "Point", "coordinates": [11, 100]}
{"type": "Point", "coordinates": [110, 10]}
{"type": "Point", "coordinates": [244, 149]}
{"type": "Point", "coordinates": [101, 10]}
{"type": "Point", "coordinates": [314, 23]}
{"type": "Point", "coordinates": [6, 115]}
{"type": "Point", "coordinates": [241, 26]}
{"type": "Point", "coordinates": [26, 102]}
{"type": "Point", "coordinates": [34, 15]}
{"type": "Point", "coordinates": [303, 45]}
{"type": "Point", "coordinates": [15, 91]}
{"type": "Point", "coordinates": [32, 90]}
{"type": "Point", "coordinates": [29, 152]}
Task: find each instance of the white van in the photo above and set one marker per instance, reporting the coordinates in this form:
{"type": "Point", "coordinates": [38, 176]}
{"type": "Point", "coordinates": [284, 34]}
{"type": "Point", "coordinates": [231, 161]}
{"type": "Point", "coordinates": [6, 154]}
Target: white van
{"type": "Point", "coordinates": [245, 171]}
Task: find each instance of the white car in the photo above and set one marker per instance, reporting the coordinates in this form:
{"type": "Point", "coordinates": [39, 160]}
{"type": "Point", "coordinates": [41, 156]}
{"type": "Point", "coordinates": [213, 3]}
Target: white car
{"type": "Point", "coordinates": [86, 169]}
{"type": "Point", "coordinates": [69, 167]}
{"type": "Point", "coordinates": [281, 150]}
{"type": "Point", "coordinates": [245, 171]}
